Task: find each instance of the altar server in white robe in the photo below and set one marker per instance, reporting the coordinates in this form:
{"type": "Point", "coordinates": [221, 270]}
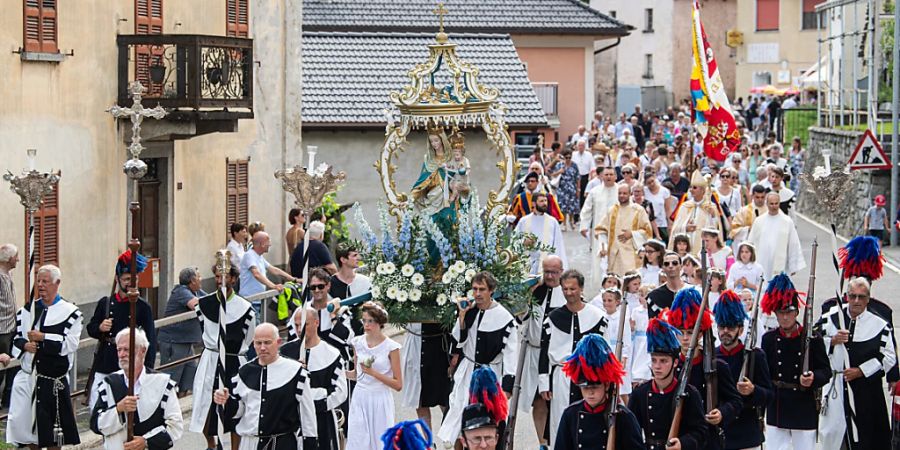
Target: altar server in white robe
{"type": "Point", "coordinates": [547, 230]}
{"type": "Point", "coordinates": [563, 328]}
{"type": "Point", "coordinates": [777, 244]}
{"type": "Point", "coordinates": [272, 399]}
{"type": "Point", "coordinates": [158, 420]}
{"type": "Point", "coordinates": [240, 320]}
{"type": "Point", "coordinates": [46, 346]}
{"type": "Point", "coordinates": [486, 336]}
{"type": "Point", "coordinates": [596, 205]}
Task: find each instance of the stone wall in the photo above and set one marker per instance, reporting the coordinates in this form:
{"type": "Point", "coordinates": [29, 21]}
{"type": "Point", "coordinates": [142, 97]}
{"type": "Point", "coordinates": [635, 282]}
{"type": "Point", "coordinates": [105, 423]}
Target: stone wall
{"type": "Point", "coordinates": [868, 183]}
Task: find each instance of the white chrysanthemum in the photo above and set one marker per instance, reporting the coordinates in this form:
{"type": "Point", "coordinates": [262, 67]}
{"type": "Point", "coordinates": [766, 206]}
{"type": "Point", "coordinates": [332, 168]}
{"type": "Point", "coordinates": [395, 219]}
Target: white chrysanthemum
{"type": "Point", "coordinates": [418, 279]}
{"type": "Point", "coordinates": [402, 296]}
{"type": "Point", "coordinates": [441, 299]}
{"type": "Point", "coordinates": [407, 270]}
{"type": "Point", "coordinates": [415, 295]}
{"type": "Point", "coordinates": [392, 292]}
{"type": "Point", "coordinates": [469, 275]}
{"type": "Point", "coordinates": [459, 266]}
{"type": "Point", "coordinates": [447, 277]}
{"type": "Point", "coordinates": [380, 269]}
{"type": "Point", "coordinates": [389, 268]}
{"type": "Point", "coordinates": [376, 292]}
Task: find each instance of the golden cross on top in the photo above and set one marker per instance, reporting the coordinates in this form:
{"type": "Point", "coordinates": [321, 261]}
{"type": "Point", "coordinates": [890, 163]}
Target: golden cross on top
{"type": "Point", "coordinates": [440, 11]}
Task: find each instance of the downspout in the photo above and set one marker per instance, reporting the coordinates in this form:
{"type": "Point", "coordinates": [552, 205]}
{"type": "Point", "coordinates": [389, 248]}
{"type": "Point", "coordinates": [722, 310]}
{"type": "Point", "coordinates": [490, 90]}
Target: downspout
{"type": "Point", "coordinates": [599, 51]}
{"type": "Point", "coordinates": [615, 71]}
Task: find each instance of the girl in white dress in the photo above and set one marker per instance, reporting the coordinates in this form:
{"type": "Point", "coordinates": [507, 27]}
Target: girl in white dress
{"type": "Point", "coordinates": [745, 272]}
{"type": "Point", "coordinates": [632, 284]}
{"type": "Point", "coordinates": [640, 359]}
{"type": "Point", "coordinates": [377, 371]}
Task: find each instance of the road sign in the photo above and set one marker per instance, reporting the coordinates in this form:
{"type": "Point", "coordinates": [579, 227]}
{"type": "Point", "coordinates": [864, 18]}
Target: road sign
{"type": "Point", "coordinates": [869, 154]}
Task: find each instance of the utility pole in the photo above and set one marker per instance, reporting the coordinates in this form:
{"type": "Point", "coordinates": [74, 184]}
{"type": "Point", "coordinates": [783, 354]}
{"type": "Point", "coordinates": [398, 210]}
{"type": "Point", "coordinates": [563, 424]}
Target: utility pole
{"type": "Point", "coordinates": [895, 103]}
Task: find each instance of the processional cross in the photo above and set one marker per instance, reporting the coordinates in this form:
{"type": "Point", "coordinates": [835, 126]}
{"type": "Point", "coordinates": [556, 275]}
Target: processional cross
{"type": "Point", "coordinates": [440, 11]}
{"type": "Point", "coordinates": [135, 169]}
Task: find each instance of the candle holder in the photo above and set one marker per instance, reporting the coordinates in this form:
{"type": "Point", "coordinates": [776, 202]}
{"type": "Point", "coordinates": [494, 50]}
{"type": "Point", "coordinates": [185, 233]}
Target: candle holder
{"type": "Point", "coordinates": [829, 187]}
{"type": "Point", "coordinates": [309, 186]}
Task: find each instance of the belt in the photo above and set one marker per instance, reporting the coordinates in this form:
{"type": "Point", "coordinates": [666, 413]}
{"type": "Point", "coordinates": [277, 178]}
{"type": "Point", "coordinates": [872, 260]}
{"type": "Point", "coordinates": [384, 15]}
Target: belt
{"type": "Point", "coordinates": [215, 350]}
{"type": "Point", "coordinates": [271, 440]}
{"type": "Point", "coordinates": [640, 333]}
{"type": "Point", "coordinates": [783, 385]}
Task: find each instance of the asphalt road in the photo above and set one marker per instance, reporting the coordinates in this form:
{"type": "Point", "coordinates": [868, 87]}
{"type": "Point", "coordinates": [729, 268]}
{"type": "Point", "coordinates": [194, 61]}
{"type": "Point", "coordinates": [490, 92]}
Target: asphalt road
{"type": "Point", "coordinates": [826, 284]}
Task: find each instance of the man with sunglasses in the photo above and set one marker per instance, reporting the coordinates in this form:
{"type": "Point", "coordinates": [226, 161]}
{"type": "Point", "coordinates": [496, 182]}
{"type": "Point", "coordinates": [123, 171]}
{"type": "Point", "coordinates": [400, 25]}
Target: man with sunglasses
{"type": "Point", "coordinates": [662, 297]}
{"type": "Point", "coordinates": [334, 327]}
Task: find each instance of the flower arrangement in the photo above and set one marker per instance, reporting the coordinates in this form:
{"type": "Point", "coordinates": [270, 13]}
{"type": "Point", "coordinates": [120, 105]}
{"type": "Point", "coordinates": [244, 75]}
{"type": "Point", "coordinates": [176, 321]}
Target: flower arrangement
{"type": "Point", "coordinates": [418, 270]}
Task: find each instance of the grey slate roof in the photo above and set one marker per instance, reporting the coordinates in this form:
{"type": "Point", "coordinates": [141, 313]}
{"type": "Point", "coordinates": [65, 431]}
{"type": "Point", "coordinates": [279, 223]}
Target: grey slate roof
{"type": "Point", "coordinates": [347, 76]}
{"type": "Point", "coordinates": [465, 16]}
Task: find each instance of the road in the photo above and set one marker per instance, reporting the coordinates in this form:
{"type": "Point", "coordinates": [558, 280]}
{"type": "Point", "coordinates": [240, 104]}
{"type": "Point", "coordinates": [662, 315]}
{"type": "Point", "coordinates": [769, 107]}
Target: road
{"type": "Point", "coordinates": [826, 284]}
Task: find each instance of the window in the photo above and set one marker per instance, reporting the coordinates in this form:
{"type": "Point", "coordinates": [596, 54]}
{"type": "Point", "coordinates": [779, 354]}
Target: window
{"type": "Point", "coordinates": [237, 18]}
{"type": "Point", "coordinates": [548, 94]}
{"type": "Point", "coordinates": [148, 19]}
{"type": "Point", "coordinates": [648, 65]}
{"type": "Point", "coordinates": [237, 191]}
{"type": "Point", "coordinates": [40, 27]}
{"type": "Point", "coordinates": [648, 20]}
{"type": "Point", "coordinates": [811, 20]}
{"type": "Point", "coordinates": [612, 14]}
{"type": "Point", "coordinates": [46, 229]}
{"type": "Point", "coordinates": [767, 15]}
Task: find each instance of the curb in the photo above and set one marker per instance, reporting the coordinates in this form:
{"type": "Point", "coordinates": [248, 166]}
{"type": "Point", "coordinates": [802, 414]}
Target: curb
{"type": "Point", "coordinates": [891, 262]}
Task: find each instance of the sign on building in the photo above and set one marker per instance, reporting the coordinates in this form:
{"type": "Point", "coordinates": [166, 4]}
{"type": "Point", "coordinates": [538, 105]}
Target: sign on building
{"type": "Point", "coordinates": [869, 154]}
{"type": "Point", "coordinates": [764, 53]}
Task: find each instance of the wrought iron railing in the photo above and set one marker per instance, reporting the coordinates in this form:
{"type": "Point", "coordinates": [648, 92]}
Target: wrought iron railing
{"type": "Point", "coordinates": [187, 70]}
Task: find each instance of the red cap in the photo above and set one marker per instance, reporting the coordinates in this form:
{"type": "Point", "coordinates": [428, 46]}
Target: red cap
{"type": "Point", "coordinates": [880, 200]}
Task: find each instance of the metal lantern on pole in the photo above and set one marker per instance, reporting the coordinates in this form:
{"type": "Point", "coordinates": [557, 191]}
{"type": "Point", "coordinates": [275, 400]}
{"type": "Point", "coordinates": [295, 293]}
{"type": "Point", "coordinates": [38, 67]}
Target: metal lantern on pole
{"type": "Point", "coordinates": [135, 169]}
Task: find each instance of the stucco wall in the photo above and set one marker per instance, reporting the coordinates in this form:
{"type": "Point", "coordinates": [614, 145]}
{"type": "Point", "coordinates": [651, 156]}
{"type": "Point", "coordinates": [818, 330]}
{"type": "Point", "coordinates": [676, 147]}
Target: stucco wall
{"type": "Point", "coordinates": [718, 17]}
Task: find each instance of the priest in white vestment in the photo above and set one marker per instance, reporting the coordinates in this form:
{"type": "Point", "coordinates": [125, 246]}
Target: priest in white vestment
{"type": "Point", "coordinates": [596, 205]}
{"type": "Point", "coordinates": [547, 230]}
{"type": "Point", "coordinates": [622, 232]}
{"type": "Point", "coordinates": [775, 237]}
{"type": "Point", "coordinates": [700, 209]}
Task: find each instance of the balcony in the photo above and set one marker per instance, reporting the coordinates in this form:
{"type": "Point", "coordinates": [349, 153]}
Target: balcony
{"type": "Point", "coordinates": [204, 81]}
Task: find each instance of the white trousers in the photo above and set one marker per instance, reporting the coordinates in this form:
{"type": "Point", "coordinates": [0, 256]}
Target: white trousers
{"type": "Point", "coordinates": [782, 438]}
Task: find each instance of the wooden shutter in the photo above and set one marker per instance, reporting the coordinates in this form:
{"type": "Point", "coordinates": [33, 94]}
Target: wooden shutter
{"type": "Point", "coordinates": [767, 15]}
{"type": "Point", "coordinates": [40, 26]}
{"type": "Point", "coordinates": [148, 19]}
{"type": "Point", "coordinates": [46, 229]}
{"type": "Point", "coordinates": [237, 191]}
{"type": "Point", "coordinates": [237, 18]}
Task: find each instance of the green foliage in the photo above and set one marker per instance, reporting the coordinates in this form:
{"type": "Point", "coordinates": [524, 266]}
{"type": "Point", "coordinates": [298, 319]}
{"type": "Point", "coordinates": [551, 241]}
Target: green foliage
{"type": "Point", "coordinates": [886, 86]}
{"type": "Point", "coordinates": [797, 123]}
{"type": "Point", "coordinates": [337, 231]}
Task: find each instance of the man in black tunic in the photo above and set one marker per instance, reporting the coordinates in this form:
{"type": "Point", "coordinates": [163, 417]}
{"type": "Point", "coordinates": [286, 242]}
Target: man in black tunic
{"type": "Point", "coordinates": [112, 315]}
{"type": "Point", "coordinates": [756, 387]}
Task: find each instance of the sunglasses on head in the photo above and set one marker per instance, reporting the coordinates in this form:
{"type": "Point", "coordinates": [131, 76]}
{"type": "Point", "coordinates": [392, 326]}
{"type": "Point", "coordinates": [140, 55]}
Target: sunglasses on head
{"type": "Point", "coordinates": [316, 287]}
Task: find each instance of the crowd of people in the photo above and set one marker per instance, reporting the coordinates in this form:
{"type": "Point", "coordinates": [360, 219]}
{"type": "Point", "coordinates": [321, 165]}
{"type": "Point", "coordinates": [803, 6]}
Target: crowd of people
{"type": "Point", "coordinates": [687, 327]}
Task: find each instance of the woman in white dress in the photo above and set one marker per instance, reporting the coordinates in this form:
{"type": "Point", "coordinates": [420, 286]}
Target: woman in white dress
{"type": "Point", "coordinates": [377, 371]}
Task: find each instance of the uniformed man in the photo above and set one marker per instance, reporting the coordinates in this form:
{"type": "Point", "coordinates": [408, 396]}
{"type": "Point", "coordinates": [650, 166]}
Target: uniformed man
{"type": "Point", "coordinates": [485, 390]}
{"type": "Point", "coordinates": [563, 328]}
{"type": "Point", "coordinates": [756, 387]}
{"type": "Point", "coordinates": [653, 402]}
{"type": "Point", "coordinates": [158, 420]}
{"type": "Point", "coordinates": [593, 367]}
{"type": "Point", "coordinates": [792, 417]}
{"type": "Point", "coordinates": [684, 314]}
{"type": "Point", "coordinates": [479, 430]}
{"type": "Point", "coordinates": [408, 435]}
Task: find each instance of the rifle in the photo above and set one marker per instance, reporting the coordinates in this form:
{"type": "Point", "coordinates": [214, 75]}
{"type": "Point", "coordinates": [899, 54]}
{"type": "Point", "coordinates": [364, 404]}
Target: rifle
{"type": "Point", "coordinates": [747, 367]}
{"type": "Point", "coordinates": [510, 431]}
{"type": "Point", "coordinates": [613, 400]}
{"type": "Point", "coordinates": [710, 372]}
{"type": "Point", "coordinates": [684, 379]}
{"type": "Point", "coordinates": [104, 337]}
{"type": "Point", "coordinates": [808, 313]}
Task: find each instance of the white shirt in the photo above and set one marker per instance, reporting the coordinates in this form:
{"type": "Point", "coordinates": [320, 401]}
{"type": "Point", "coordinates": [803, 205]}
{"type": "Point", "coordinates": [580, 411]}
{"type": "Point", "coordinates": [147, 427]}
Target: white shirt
{"type": "Point", "coordinates": [584, 161]}
{"type": "Point", "coordinates": [237, 252]}
{"type": "Point", "coordinates": [592, 184]}
{"type": "Point", "coordinates": [658, 201]}
{"type": "Point", "coordinates": [249, 284]}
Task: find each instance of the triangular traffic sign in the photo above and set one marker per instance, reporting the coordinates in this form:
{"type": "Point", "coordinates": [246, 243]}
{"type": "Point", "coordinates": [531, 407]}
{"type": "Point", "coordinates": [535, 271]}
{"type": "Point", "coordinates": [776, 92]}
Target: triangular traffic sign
{"type": "Point", "coordinates": [869, 154]}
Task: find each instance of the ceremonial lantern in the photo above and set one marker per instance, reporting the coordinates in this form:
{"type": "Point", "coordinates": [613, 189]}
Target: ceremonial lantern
{"type": "Point", "coordinates": [729, 310]}
{"type": "Point", "coordinates": [408, 435]}
{"type": "Point", "coordinates": [593, 363]}
{"type": "Point", "coordinates": [686, 308]}
{"type": "Point", "coordinates": [780, 295]}
{"type": "Point", "coordinates": [861, 257]}
{"type": "Point", "coordinates": [662, 337]}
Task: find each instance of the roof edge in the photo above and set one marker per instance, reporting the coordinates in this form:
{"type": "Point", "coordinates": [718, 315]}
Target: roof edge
{"type": "Point", "coordinates": [457, 31]}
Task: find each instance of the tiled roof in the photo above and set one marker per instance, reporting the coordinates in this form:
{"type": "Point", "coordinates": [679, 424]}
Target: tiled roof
{"type": "Point", "coordinates": [347, 76]}
{"type": "Point", "coordinates": [465, 16]}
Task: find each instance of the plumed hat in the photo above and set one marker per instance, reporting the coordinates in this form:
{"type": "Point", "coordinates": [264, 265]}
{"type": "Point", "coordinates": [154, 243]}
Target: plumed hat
{"type": "Point", "coordinates": [485, 389]}
{"type": "Point", "coordinates": [780, 295]}
{"type": "Point", "coordinates": [729, 310]}
{"type": "Point", "coordinates": [861, 257]}
{"type": "Point", "coordinates": [123, 264]}
{"type": "Point", "coordinates": [662, 337]}
{"type": "Point", "coordinates": [407, 435]}
{"type": "Point", "coordinates": [593, 362]}
{"type": "Point", "coordinates": [685, 309]}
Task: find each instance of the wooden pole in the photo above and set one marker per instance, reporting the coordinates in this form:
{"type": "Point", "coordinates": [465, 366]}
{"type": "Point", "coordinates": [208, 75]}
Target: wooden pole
{"type": "Point", "coordinates": [134, 245]}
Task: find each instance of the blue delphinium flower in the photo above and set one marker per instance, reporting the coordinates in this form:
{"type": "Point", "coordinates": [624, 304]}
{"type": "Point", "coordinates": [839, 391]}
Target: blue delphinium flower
{"type": "Point", "coordinates": [405, 236]}
{"type": "Point", "coordinates": [440, 241]}
{"type": "Point", "coordinates": [364, 229]}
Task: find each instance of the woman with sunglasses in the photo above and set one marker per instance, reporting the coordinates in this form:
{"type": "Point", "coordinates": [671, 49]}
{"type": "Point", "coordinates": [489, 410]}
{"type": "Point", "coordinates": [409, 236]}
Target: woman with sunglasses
{"type": "Point", "coordinates": [729, 191]}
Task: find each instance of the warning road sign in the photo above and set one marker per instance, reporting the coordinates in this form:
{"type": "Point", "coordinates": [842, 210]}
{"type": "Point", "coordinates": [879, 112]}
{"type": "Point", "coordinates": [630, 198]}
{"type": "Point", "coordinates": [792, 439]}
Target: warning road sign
{"type": "Point", "coordinates": [869, 154]}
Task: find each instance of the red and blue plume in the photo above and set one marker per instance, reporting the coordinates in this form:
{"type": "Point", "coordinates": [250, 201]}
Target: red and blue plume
{"type": "Point", "coordinates": [408, 435]}
{"type": "Point", "coordinates": [686, 308]}
{"type": "Point", "coordinates": [123, 264]}
{"type": "Point", "coordinates": [780, 294]}
{"type": "Point", "coordinates": [861, 257]}
{"type": "Point", "coordinates": [662, 337]}
{"type": "Point", "coordinates": [729, 310]}
{"type": "Point", "coordinates": [485, 389]}
{"type": "Point", "coordinates": [593, 362]}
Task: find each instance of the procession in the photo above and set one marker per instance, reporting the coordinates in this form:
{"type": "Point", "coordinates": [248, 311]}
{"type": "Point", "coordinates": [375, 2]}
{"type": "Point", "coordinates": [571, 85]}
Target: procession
{"type": "Point", "coordinates": [479, 277]}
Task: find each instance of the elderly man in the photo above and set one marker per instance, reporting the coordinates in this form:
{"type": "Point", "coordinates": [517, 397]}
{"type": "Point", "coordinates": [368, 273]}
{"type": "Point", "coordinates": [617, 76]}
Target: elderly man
{"type": "Point", "coordinates": [865, 340]}
{"type": "Point", "coordinates": [176, 341]}
{"type": "Point", "coordinates": [598, 202]}
{"type": "Point", "coordinates": [622, 232]}
{"type": "Point", "coordinates": [9, 258]}
{"type": "Point", "coordinates": [158, 421]}
{"type": "Point", "coordinates": [318, 253]}
{"type": "Point", "coordinates": [697, 210]}
{"type": "Point", "coordinates": [546, 228]}
{"type": "Point", "coordinates": [776, 240]}
{"type": "Point", "coordinates": [254, 269]}
{"type": "Point", "coordinates": [46, 343]}
{"type": "Point", "coordinates": [581, 135]}
{"type": "Point", "coordinates": [272, 399]}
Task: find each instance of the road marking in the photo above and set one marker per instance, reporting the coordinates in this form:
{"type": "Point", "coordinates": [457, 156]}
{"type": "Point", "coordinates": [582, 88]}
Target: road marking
{"type": "Point", "coordinates": [818, 225]}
